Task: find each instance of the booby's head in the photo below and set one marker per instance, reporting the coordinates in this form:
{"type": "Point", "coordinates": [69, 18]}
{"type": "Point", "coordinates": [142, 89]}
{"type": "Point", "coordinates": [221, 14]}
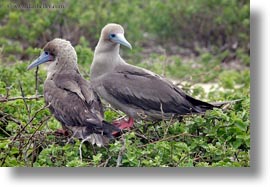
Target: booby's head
{"type": "Point", "coordinates": [59, 53]}
{"type": "Point", "coordinates": [114, 33]}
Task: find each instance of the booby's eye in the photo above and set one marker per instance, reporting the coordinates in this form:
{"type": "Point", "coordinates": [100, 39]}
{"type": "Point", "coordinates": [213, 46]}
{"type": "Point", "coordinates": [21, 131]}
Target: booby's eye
{"type": "Point", "coordinates": [51, 54]}
{"type": "Point", "coordinates": [112, 35]}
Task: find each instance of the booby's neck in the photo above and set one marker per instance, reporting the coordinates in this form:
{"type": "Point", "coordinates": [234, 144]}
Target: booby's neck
{"type": "Point", "coordinates": [58, 67]}
{"type": "Point", "coordinates": [106, 59]}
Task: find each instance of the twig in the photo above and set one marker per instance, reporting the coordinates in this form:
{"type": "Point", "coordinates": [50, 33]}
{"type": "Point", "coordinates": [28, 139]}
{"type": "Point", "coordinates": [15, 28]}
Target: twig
{"type": "Point", "coordinates": [46, 118]}
{"type": "Point", "coordinates": [122, 117]}
{"type": "Point", "coordinates": [36, 80]}
{"type": "Point", "coordinates": [3, 100]}
{"type": "Point", "coordinates": [121, 152]}
{"type": "Point", "coordinates": [44, 107]}
{"type": "Point", "coordinates": [104, 164]}
{"type": "Point", "coordinates": [10, 118]}
{"type": "Point", "coordinates": [7, 90]}
{"type": "Point", "coordinates": [235, 155]}
{"type": "Point", "coordinates": [19, 133]}
{"type": "Point", "coordinates": [5, 132]}
{"type": "Point", "coordinates": [33, 153]}
{"type": "Point", "coordinates": [168, 125]}
{"type": "Point", "coordinates": [141, 136]}
{"type": "Point", "coordinates": [162, 112]}
{"type": "Point", "coordinates": [117, 111]}
{"type": "Point", "coordinates": [147, 125]}
{"type": "Point", "coordinates": [80, 148]}
{"type": "Point", "coordinates": [24, 101]}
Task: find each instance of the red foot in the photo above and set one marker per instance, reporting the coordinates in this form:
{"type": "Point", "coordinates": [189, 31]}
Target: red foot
{"type": "Point", "coordinates": [61, 132]}
{"type": "Point", "coordinates": [123, 124]}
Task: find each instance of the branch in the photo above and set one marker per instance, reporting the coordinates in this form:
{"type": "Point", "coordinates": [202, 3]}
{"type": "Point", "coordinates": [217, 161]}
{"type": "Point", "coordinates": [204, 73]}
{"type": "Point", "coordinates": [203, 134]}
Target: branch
{"type": "Point", "coordinates": [3, 99]}
{"type": "Point", "coordinates": [46, 118]}
{"type": "Point", "coordinates": [9, 117]}
{"type": "Point", "coordinates": [104, 164]}
{"type": "Point", "coordinates": [30, 121]}
{"type": "Point", "coordinates": [121, 152]}
{"type": "Point", "coordinates": [5, 132]}
{"type": "Point", "coordinates": [24, 101]}
{"type": "Point", "coordinates": [36, 80]}
{"type": "Point", "coordinates": [21, 130]}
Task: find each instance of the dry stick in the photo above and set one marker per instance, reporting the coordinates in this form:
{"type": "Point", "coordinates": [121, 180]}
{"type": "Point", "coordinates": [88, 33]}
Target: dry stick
{"type": "Point", "coordinates": [23, 128]}
{"type": "Point", "coordinates": [5, 132]}
{"type": "Point", "coordinates": [3, 100]}
{"type": "Point", "coordinates": [162, 112]}
{"type": "Point", "coordinates": [35, 147]}
{"type": "Point", "coordinates": [44, 107]}
{"type": "Point", "coordinates": [104, 164]}
{"type": "Point", "coordinates": [36, 80]}
{"type": "Point", "coordinates": [117, 111]}
{"type": "Point", "coordinates": [168, 125]}
{"type": "Point", "coordinates": [7, 90]}
{"type": "Point", "coordinates": [24, 101]}
{"type": "Point", "coordinates": [24, 153]}
{"type": "Point", "coordinates": [163, 119]}
{"type": "Point", "coordinates": [171, 153]}
{"type": "Point", "coordinates": [121, 152]}
{"type": "Point", "coordinates": [141, 136]}
{"type": "Point", "coordinates": [40, 124]}
{"type": "Point", "coordinates": [10, 118]}
{"type": "Point", "coordinates": [33, 154]}
{"type": "Point", "coordinates": [80, 148]}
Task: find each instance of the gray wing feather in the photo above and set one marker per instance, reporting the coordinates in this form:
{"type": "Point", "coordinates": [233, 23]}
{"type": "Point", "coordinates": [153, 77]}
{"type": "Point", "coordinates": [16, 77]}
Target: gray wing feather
{"type": "Point", "coordinates": [76, 106]}
{"type": "Point", "coordinates": [135, 87]}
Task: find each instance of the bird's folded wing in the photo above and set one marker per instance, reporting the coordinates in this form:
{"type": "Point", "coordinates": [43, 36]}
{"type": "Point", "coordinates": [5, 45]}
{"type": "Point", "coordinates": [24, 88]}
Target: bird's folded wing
{"type": "Point", "coordinates": [73, 81]}
{"type": "Point", "coordinates": [138, 88]}
{"type": "Point", "coordinates": [68, 106]}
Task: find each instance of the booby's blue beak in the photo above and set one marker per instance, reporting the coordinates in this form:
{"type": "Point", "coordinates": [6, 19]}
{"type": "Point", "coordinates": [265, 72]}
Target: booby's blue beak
{"type": "Point", "coordinates": [44, 57]}
{"type": "Point", "coordinates": [120, 39]}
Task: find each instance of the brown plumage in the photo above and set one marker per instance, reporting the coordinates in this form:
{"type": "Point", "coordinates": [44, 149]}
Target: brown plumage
{"type": "Point", "coordinates": [138, 92]}
{"type": "Point", "coordinates": [71, 98]}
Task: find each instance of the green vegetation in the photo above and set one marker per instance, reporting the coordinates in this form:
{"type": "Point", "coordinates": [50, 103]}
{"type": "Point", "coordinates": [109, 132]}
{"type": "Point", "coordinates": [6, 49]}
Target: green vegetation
{"type": "Point", "coordinates": [196, 42]}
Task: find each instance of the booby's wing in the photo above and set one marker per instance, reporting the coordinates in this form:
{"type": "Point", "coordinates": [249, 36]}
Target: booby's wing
{"type": "Point", "coordinates": [70, 104]}
{"type": "Point", "coordinates": [72, 81]}
{"type": "Point", "coordinates": [139, 88]}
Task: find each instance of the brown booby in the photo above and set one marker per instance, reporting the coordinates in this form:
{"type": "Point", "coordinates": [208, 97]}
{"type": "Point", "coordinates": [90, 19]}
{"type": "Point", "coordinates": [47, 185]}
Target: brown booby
{"type": "Point", "coordinates": [138, 92]}
{"type": "Point", "coordinates": [70, 97]}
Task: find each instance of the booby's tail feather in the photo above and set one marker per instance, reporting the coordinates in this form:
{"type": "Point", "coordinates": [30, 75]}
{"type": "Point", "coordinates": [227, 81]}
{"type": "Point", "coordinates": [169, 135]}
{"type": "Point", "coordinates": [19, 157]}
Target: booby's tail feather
{"type": "Point", "coordinates": [202, 107]}
{"type": "Point", "coordinates": [223, 103]}
{"type": "Point", "coordinates": [100, 137]}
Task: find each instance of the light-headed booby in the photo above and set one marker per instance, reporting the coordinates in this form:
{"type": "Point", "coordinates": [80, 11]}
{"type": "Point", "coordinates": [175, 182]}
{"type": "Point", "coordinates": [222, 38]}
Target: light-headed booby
{"type": "Point", "coordinates": [70, 97]}
{"type": "Point", "coordinates": [137, 92]}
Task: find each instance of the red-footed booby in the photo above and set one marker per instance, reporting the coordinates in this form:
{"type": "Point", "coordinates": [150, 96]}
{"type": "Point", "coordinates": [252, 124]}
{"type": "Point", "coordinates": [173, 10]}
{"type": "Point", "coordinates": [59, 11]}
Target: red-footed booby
{"type": "Point", "coordinates": [138, 92]}
{"type": "Point", "coordinates": [71, 98]}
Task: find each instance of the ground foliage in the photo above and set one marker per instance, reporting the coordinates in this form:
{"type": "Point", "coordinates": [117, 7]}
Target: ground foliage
{"type": "Point", "coordinates": [164, 41]}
